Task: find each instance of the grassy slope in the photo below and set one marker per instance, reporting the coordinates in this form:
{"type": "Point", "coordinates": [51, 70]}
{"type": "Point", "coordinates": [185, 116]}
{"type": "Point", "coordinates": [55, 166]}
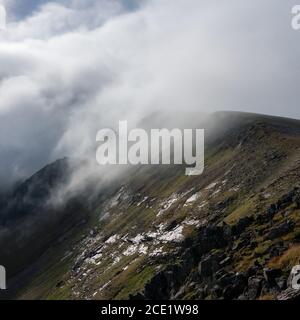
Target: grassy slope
{"type": "Point", "coordinates": [259, 159]}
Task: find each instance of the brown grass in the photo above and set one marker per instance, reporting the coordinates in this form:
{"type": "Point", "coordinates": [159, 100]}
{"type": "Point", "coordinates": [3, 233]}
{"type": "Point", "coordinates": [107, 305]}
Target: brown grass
{"type": "Point", "coordinates": [267, 297]}
{"type": "Point", "coordinates": [288, 259]}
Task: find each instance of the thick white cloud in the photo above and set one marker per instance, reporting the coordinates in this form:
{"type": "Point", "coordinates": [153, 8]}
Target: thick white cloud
{"type": "Point", "coordinates": [72, 67]}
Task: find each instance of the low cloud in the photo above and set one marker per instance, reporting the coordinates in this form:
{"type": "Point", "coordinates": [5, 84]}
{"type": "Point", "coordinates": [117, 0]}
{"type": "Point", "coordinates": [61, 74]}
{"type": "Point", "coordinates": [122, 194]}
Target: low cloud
{"type": "Point", "coordinates": [70, 68]}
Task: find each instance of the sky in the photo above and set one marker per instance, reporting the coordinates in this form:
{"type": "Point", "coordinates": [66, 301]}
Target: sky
{"type": "Point", "coordinates": [69, 68]}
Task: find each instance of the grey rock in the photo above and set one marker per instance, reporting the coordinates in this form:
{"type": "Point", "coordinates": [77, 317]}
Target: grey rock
{"type": "Point", "coordinates": [236, 288]}
{"type": "Point", "coordinates": [208, 266]}
{"type": "Point", "coordinates": [289, 294]}
{"type": "Point", "coordinates": [225, 261]}
{"type": "Point", "coordinates": [216, 292]}
{"type": "Point", "coordinates": [280, 230]}
{"type": "Point", "coordinates": [254, 287]}
{"type": "Point", "coordinates": [281, 282]}
{"type": "Point", "coordinates": [242, 224]}
{"type": "Point", "coordinates": [270, 275]}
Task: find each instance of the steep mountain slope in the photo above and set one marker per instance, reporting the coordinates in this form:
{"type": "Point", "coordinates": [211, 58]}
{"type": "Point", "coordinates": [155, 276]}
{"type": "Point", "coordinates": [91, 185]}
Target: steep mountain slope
{"type": "Point", "coordinates": [31, 220]}
{"type": "Point", "coordinates": [231, 233]}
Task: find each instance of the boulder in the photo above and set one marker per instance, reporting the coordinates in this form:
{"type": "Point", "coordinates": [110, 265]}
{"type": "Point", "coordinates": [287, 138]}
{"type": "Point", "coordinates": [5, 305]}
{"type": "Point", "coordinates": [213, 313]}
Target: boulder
{"type": "Point", "coordinates": [157, 288]}
{"type": "Point", "coordinates": [227, 231]}
{"type": "Point", "coordinates": [208, 266]}
{"type": "Point", "coordinates": [225, 261]}
{"type": "Point", "coordinates": [276, 250]}
{"type": "Point", "coordinates": [242, 224]}
{"type": "Point", "coordinates": [253, 270]}
{"type": "Point", "coordinates": [289, 294]}
{"type": "Point", "coordinates": [254, 287]}
{"type": "Point", "coordinates": [180, 294]}
{"type": "Point", "coordinates": [281, 230]}
{"type": "Point", "coordinates": [211, 237]}
{"type": "Point", "coordinates": [281, 282]}
{"type": "Point", "coordinates": [137, 296]}
{"type": "Point", "coordinates": [287, 199]}
{"type": "Point", "coordinates": [270, 276]}
{"type": "Point", "coordinates": [216, 292]}
{"type": "Point", "coordinates": [202, 293]}
{"type": "Point", "coordinates": [271, 211]}
{"type": "Point", "coordinates": [225, 279]}
{"type": "Point", "coordinates": [236, 288]}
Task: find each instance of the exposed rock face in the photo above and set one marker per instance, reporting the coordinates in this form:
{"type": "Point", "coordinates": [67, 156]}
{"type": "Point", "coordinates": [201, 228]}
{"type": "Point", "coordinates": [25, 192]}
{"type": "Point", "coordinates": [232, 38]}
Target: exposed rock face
{"type": "Point", "coordinates": [32, 219]}
{"type": "Point", "coordinates": [242, 224]}
{"type": "Point", "coordinates": [289, 294]}
{"type": "Point", "coordinates": [271, 275]}
{"type": "Point", "coordinates": [280, 230]}
{"type": "Point", "coordinates": [208, 266]}
{"type": "Point", "coordinates": [34, 195]}
{"type": "Point", "coordinates": [254, 287]}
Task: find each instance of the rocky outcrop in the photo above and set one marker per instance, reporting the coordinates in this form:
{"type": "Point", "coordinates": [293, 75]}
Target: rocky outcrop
{"type": "Point", "coordinates": [280, 230]}
{"type": "Point", "coordinates": [289, 294]}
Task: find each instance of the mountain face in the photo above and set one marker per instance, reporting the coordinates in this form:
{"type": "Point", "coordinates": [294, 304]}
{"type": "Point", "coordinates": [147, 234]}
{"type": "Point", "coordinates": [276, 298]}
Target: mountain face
{"type": "Point", "coordinates": [231, 233]}
{"type": "Point", "coordinates": [30, 219]}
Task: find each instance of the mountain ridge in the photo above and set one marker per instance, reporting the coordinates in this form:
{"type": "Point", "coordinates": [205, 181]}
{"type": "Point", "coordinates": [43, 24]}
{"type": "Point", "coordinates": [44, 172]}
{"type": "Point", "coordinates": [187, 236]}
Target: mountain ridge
{"type": "Point", "coordinates": [226, 234]}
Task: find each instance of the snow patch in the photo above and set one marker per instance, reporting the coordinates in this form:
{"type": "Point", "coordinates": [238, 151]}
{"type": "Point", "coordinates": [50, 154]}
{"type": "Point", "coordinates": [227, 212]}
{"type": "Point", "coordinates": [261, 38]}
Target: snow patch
{"type": "Point", "coordinates": [138, 239]}
{"type": "Point", "coordinates": [191, 222]}
{"type": "Point", "coordinates": [104, 216]}
{"type": "Point", "coordinates": [215, 193]}
{"type": "Point", "coordinates": [143, 249]}
{"type": "Point", "coordinates": [93, 260]}
{"type": "Point", "coordinates": [141, 202]}
{"type": "Point", "coordinates": [191, 199]}
{"type": "Point", "coordinates": [112, 239]}
{"type": "Point", "coordinates": [166, 205]}
{"type": "Point", "coordinates": [157, 252]}
{"type": "Point", "coordinates": [131, 250]}
{"type": "Point", "coordinates": [211, 186]}
{"type": "Point", "coordinates": [105, 286]}
{"type": "Point", "coordinates": [117, 260]}
{"type": "Point", "coordinates": [174, 235]}
{"type": "Point", "coordinates": [235, 189]}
